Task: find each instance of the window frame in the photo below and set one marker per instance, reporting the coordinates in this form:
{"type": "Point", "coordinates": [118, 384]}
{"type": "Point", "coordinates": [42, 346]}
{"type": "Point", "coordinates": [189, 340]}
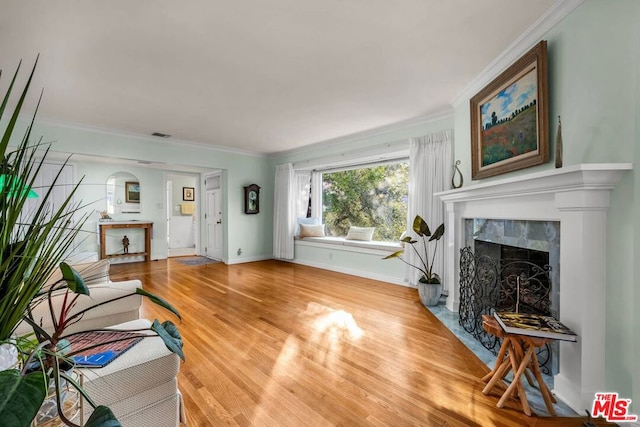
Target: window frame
{"type": "Point", "coordinates": [317, 181]}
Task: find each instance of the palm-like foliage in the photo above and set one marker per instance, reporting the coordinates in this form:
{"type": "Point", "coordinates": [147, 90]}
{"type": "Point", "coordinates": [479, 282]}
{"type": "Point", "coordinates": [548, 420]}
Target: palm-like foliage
{"type": "Point", "coordinates": [32, 246]}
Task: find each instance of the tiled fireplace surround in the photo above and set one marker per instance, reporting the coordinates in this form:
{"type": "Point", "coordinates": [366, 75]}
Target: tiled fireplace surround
{"type": "Point", "coordinates": [578, 197]}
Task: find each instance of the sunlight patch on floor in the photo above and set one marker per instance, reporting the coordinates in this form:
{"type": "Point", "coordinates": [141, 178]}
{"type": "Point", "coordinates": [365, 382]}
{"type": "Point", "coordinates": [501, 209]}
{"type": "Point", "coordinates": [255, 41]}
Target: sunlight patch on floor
{"type": "Point", "coordinates": [337, 323]}
{"type": "Point", "coordinates": [328, 331]}
{"type": "Point", "coordinates": [331, 332]}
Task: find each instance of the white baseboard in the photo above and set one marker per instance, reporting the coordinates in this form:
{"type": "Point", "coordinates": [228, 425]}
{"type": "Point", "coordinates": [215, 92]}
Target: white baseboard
{"type": "Point", "coordinates": [367, 275]}
{"type": "Point", "coordinates": [242, 260]}
{"type": "Point", "coordinates": [566, 391]}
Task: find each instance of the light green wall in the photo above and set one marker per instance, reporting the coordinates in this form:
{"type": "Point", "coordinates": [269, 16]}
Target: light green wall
{"type": "Point", "coordinates": [92, 193]}
{"type": "Point", "coordinates": [593, 77]}
{"type": "Point", "coordinates": [152, 194]}
{"type": "Point", "coordinates": [595, 59]}
{"type": "Point", "coordinates": [252, 233]}
{"type": "Point", "coordinates": [633, 282]}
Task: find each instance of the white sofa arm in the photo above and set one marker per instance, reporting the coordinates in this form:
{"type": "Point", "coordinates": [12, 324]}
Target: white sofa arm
{"type": "Point", "coordinates": [112, 313]}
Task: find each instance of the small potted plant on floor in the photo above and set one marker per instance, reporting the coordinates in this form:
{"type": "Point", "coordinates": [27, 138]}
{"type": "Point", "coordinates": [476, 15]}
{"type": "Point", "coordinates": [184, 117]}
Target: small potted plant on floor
{"type": "Point", "coordinates": [429, 285]}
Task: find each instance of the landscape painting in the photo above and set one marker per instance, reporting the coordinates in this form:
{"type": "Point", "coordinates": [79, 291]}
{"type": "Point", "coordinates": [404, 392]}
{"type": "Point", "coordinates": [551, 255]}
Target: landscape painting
{"type": "Point", "coordinates": [509, 121]}
{"type": "Point", "coordinates": [509, 118]}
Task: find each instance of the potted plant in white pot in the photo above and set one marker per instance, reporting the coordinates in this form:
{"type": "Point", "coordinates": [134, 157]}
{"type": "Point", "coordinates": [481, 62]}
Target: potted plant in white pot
{"type": "Point", "coordinates": [429, 285]}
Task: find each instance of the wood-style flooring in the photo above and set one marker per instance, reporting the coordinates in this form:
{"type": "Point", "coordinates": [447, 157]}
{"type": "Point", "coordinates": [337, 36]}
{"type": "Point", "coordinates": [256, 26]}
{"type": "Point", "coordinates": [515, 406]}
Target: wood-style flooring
{"type": "Point", "coordinates": [278, 344]}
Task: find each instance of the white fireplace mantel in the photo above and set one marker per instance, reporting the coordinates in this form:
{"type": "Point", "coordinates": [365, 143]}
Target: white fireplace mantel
{"type": "Point", "coordinates": [578, 197]}
{"type": "Point", "coordinates": [587, 176]}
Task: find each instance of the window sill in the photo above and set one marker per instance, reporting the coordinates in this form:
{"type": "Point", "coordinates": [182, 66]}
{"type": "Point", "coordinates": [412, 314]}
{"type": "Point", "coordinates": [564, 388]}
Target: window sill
{"type": "Point", "coordinates": [340, 243]}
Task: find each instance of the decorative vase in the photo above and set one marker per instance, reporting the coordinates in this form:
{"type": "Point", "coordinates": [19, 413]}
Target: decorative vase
{"type": "Point", "coordinates": [559, 145]}
{"type": "Point", "coordinates": [429, 293]}
{"type": "Point", "coordinates": [70, 397]}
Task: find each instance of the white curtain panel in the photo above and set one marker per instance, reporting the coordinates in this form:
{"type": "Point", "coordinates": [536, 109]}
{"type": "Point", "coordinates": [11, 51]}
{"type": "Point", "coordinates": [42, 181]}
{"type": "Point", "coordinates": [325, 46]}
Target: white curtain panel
{"type": "Point", "coordinates": [283, 212]}
{"type": "Point", "coordinates": [430, 169]}
{"type": "Point", "coordinates": [302, 186]}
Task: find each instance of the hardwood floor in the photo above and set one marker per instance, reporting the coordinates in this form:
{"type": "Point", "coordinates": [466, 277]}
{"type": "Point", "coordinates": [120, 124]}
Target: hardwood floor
{"type": "Point", "coordinates": [273, 343]}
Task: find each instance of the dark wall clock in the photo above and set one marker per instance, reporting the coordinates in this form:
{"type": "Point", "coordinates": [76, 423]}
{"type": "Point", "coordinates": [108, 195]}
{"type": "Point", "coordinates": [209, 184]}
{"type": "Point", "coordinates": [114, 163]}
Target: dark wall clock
{"type": "Point", "coordinates": [251, 199]}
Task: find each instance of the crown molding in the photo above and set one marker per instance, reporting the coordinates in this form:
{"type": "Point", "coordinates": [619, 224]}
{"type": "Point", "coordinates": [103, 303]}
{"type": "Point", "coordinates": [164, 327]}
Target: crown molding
{"type": "Point", "coordinates": [522, 44]}
{"type": "Point", "coordinates": [59, 157]}
{"type": "Point", "coordinates": [143, 137]}
{"type": "Point", "coordinates": [375, 153]}
{"type": "Point", "coordinates": [369, 133]}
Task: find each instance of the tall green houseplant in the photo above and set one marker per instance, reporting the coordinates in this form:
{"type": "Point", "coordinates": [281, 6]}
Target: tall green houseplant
{"type": "Point", "coordinates": [429, 284]}
{"type": "Point", "coordinates": [32, 246]}
{"type": "Point", "coordinates": [33, 243]}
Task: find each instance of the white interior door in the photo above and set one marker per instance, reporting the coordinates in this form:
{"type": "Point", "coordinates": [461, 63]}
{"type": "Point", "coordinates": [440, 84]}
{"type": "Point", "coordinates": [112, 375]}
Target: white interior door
{"type": "Point", "coordinates": [213, 220]}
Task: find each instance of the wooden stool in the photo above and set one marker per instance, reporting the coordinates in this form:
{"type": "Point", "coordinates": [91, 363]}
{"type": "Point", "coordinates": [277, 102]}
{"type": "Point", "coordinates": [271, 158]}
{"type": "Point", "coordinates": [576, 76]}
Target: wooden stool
{"type": "Point", "coordinates": [517, 353]}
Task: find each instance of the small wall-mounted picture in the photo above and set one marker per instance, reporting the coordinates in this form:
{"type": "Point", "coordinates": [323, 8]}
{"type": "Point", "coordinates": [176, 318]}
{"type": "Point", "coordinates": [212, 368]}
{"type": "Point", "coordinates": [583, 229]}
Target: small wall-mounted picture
{"type": "Point", "coordinates": [132, 192]}
{"type": "Point", "coordinates": [188, 194]}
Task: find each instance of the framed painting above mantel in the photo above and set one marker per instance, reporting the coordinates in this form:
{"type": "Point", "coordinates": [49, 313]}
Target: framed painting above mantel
{"type": "Point", "coordinates": [510, 118]}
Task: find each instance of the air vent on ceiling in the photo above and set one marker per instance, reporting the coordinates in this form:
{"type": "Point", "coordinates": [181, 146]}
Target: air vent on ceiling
{"type": "Point", "coordinates": [161, 135]}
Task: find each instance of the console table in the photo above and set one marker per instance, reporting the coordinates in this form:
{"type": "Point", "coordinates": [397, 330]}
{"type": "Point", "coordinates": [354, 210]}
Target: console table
{"type": "Point", "coordinates": [146, 225]}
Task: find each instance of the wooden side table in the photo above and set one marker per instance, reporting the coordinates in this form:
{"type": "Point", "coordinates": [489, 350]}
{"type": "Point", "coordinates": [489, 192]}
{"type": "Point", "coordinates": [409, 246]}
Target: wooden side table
{"type": "Point", "coordinates": [146, 225]}
{"type": "Point", "coordinates": [516, 354]}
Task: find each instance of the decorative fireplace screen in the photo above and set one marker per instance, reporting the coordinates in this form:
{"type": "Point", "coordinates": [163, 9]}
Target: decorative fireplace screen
{"type": "Point", "coordinates": [502, 283]}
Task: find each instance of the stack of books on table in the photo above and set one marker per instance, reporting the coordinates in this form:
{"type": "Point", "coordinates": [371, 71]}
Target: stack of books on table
{"type": "Point", "coordinates": [534, 325]}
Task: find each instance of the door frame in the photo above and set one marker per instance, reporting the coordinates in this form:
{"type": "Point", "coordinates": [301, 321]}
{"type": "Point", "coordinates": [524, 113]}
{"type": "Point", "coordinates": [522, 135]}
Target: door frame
{"type": "Point", "coordinates": [214, 180]}
{"type": "Point", "coordinates": [196, 218]}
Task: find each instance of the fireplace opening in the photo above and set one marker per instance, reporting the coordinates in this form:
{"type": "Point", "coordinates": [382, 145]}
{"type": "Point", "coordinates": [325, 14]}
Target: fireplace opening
{"type": "Point", "coordinates": [496, 277]}
{"type": "Point", "coordinates": [524, 282]}
{"type": "Point", "coordinates": [510, 265]}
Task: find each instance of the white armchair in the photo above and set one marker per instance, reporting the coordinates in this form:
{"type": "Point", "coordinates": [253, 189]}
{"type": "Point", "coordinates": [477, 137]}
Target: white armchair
{"type": "Point", "coordinates": [101, 289]}
{"type": "Point", "coordinates": [141, 385]}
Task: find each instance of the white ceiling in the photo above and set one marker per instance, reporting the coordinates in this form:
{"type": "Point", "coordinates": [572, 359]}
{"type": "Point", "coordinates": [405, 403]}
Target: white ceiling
{"type": "Point", "coordinates": [260, 76]}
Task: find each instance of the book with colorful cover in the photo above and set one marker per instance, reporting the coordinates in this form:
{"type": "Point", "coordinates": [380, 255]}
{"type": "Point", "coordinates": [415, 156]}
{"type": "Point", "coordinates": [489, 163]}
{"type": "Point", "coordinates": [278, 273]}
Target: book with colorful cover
{"type": "Point", "coordinates": [535, 325]}
{"type": "Point", "coordinates": [101, 356]}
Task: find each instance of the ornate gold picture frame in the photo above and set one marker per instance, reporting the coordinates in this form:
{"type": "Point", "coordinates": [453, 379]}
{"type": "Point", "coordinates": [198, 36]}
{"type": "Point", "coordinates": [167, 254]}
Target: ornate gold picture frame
{"type": "Point", "coordinates": [509, 118]}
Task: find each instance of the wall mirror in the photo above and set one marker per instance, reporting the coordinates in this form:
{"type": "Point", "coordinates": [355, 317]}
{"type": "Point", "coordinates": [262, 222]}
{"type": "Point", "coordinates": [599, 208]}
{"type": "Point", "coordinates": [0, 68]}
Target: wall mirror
{"type": "Point", "coordinates": [123, 193]}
